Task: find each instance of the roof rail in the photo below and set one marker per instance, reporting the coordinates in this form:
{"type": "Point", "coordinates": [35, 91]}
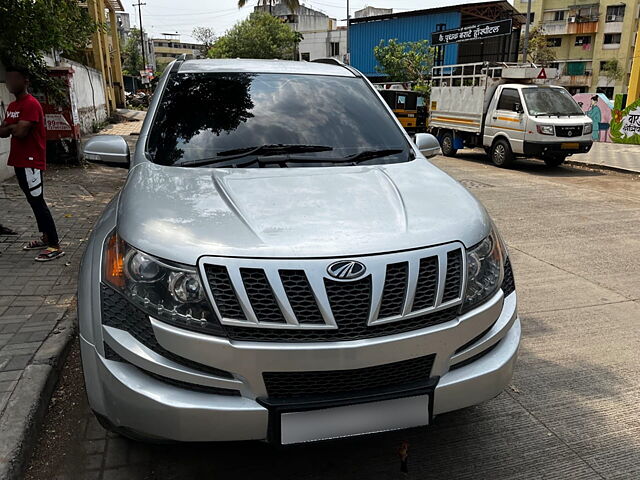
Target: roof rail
{"type": "Point", "coordinates": [178, 61]}
{"type": "Point", "coordinates": [329, 61]}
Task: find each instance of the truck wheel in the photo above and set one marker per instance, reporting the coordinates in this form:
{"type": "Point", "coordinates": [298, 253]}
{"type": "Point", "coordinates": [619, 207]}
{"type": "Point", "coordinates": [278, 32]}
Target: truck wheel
{"type": "Point", "coordinates": [501, 154]}
{"type": "Point", "coordinates": [555, 161]}
{"type": "Point", "coordinates": [447, 145]}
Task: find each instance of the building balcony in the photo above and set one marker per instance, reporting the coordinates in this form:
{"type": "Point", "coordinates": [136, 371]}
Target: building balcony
{"type": "Point", "coordinates": [613, 27]}
{"type": "Point", "coordinates": [575, 80]}
{"type": "Point", "coordinates": [582, 27]}
{"type": "Point", "coordinates": [555, 28]}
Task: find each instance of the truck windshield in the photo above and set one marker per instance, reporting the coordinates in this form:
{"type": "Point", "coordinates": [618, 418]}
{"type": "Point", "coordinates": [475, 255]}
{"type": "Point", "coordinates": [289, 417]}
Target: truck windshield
{"type": "Point", "coordinates": [257, 120]}
{"type": "Point", "coordinates": [550, 101]}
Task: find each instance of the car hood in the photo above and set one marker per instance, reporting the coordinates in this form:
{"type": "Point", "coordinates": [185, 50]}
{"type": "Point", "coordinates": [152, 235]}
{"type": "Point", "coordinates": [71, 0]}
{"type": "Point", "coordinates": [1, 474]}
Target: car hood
{"type": "Point", "coordinates": [181, 214]}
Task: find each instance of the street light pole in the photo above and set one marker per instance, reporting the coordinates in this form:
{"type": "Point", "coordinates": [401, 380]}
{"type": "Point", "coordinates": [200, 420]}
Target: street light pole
{"type": "Point", "coordinates": [526, 33]}
{"type": "Point", "coordinates": [144, 56]}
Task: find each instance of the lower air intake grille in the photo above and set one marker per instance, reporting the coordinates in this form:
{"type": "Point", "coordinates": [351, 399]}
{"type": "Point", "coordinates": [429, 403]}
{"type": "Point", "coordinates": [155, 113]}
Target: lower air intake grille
{"type": "Point", "coordinates": [117, 312]}
{"type": "Point", "coordinates": [345, 382]}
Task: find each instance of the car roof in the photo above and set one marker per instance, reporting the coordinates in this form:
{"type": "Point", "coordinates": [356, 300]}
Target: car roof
{"type": "Point", "coordinates": [263, 66]}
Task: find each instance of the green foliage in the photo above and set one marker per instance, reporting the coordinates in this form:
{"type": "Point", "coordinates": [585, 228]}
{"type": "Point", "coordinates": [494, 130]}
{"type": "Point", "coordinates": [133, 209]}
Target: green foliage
{"type": "Point", "coordinates": [132, 61]}
{"type": "Point", "coordinates": [612, 71]}
{"type": "Point", "coordinates": [259, 36]}
{"type": "Point", "coordinates": [204, 35]}
{"type": "Point", "coordinates": [293, 5]}
{"type": "Point", "coordinates": [538, 49]}
{"type": "Point", "coordinates": [31, 28]}
{"type": "Point", "coordinates": [405, 62]}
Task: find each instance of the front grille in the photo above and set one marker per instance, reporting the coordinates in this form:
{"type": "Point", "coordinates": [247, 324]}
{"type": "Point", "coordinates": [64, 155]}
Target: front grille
{"type": "Point", "coordinates": [395, 290]}
{"type": "Point", "coordinates": [569, 131]}
{"type": "Point", "coordinates": [110, 354]}
{"type": "Point", "coordinates": [352, 330]}
{"type": "Point", "coordinates": [266, 300]}
{"type": "Point", "coordinates": [508, 282]}
{"type": "Point", "coordinates": [117, 312]}
{"type": "Point", "coordinates": [288, 385]}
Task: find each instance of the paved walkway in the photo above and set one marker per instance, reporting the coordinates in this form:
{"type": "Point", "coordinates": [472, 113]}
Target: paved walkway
{"type": "Point", "coordinates": [34, 297]}
{"type": "Point", "coordinates": [612, 155]}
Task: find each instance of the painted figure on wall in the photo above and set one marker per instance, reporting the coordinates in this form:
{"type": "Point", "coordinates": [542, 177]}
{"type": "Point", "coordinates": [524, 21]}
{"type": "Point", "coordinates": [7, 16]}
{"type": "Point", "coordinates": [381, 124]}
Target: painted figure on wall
{"type": "Point", "coordinates": [597, 107]}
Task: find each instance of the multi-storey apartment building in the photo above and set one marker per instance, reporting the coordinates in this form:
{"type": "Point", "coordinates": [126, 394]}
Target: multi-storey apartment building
{"type": "Point", "coordinates": [585, 36]}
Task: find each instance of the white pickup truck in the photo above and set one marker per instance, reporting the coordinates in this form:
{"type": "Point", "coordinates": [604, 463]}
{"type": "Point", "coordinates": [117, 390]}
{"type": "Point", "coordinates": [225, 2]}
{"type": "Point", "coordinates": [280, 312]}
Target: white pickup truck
{"type": "Point", "coordinates": [509, 110]}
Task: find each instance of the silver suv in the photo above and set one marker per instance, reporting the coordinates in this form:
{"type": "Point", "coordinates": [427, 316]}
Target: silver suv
{"type": "Point", "coordinates": [284, 264]}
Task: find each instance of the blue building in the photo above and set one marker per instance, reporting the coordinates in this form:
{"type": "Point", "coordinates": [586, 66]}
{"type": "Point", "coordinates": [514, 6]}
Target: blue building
{"type": "Point", "coordinates": [367, 32]}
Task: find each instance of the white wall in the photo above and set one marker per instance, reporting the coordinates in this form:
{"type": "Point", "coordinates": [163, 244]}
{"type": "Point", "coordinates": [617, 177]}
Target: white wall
{"type": "Point", "coordinates": [88, 89]}
{"type": "Point", "coordinates": [5, 99]}
{"type": "Point", "coordinates": [317, 44]}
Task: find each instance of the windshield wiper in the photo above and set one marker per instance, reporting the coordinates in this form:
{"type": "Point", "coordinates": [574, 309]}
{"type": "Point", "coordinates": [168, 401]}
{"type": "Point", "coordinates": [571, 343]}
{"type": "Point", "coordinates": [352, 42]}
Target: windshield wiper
{"type": "Point", "coordinates": [268, 149]}
{"type": "Point", "coordinates": [369, 154]}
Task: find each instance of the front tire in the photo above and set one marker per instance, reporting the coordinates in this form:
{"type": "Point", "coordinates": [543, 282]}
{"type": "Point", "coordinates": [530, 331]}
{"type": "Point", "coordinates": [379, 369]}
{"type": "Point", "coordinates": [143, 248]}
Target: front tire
{"type": "Point", "coordinates": [447, 145]}
{"type": "Point", "coordinates": [501, 154]}
{"type": "Point", "coordinates": [555, 161]}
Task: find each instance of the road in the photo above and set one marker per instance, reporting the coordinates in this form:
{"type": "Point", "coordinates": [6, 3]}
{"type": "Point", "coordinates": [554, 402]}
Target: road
{"type": "Point", "coordinates": [572, 410]}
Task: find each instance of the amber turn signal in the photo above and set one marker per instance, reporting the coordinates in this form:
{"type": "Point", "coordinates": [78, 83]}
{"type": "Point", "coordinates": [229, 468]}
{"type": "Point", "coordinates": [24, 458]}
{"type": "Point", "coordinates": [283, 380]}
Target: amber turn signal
{"type": "Point", "coordinates": [114, 261]}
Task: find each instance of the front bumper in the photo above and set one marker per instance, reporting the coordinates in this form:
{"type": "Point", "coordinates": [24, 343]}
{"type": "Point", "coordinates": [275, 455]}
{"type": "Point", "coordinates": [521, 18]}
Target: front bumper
{"type": "Point", "coordinates": [566, 147]}
{"type": "Point", "coordinates": [132, 399]}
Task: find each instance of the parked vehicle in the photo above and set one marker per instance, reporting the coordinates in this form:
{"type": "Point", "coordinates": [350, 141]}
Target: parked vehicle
{"type": "Point", "coordinates": [408, 106]}
{"type": "Point", "coordinates": [505, 109]}
{"type": "Point", "coordinates": [283, 264]}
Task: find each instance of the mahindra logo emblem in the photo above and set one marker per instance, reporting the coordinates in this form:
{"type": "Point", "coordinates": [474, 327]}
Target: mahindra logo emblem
{"type": "Point", "coordinates": [570, 133]}
{"type": "Point", "coordinates": [346, 270]}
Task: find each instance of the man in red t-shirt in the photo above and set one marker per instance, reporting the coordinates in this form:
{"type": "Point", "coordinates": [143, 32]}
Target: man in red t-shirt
{"type": "Point", "coordinates": [24, 122]}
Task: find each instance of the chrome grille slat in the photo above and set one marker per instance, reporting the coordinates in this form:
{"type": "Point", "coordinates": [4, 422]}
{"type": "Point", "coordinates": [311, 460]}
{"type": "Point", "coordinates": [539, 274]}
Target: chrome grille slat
{"type": "Point", "coordinates": [300, 294]}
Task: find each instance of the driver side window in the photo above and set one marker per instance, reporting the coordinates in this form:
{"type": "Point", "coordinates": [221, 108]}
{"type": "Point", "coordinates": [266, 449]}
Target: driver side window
{"type": "Point", "coordinates": [508, 100]}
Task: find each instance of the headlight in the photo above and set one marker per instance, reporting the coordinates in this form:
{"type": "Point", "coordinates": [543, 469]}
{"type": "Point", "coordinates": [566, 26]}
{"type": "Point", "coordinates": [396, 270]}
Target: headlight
{"type": "Point", "coordinates": [485, 269]}
{"type": "Point", "coordinates": [545, 129]}
{"type": "Point", "coordinates": [588, 128]}
{"type": "Point", "coordinates": [169, 292]}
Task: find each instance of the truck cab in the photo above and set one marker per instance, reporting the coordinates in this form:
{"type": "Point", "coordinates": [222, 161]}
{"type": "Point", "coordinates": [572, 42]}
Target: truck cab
{"type": "Point", "coordinates": [509, 110]}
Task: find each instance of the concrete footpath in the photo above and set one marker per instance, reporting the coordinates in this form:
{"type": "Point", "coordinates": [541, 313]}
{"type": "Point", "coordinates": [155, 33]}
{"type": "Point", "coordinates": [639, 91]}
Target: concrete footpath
{"type": "Point", "coordinates": [37, 314]}
{"type": "Point", "coordinates": [615, 156]}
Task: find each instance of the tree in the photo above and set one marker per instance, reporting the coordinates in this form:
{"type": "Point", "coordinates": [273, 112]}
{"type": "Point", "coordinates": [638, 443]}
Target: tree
{"type": "Point", "coordinates": [259, 36]}
{"type": "Point", "coordinates": [405, 61]}
{"type": "Point", "coordinates": [205, 36]}
{"type": "Point", "coordinates": [132, 61]}
{"type": "Point", "coordinates": [29, 29]}
{"type": "Point", "coordinates": [292, 5]}
{"type": "Point", "coordinates": [612, 71]}
{"type": "Point", "coordinates": [538, 49]}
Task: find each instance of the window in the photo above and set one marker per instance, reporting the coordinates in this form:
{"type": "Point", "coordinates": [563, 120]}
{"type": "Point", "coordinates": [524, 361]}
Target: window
{"type": "Point", "coordinates": [615, 13]}
{"type": "Point", "coordinates": [334, 49]}
{"type": "Point", "coordinates": [558, 15]}
{"type": "Point", "coordinates": [607, 91]}
{"type": "Point", "coordinates": [508, 99]}
{"type": "Point", "coordinates": [203, 114]}
{"type": "Point", "coordinates": [612, 38]}
{"type": "Point", "coordinates": [554, 41]}
{"type": "Point", "coordinates": [582, 40]}
{"type": "Point", "coordinates": [554, 15]}
{"type": "Point", "coordinates": [305, 57]}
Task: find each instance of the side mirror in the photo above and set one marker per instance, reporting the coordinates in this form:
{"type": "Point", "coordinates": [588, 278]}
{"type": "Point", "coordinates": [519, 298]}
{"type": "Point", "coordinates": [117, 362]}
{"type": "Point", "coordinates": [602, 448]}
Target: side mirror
{"type": "Point", "coordinates": [110, 150]}
{"type": "Point", "coordinates": [428, 145]}
{"type": "Point", "coordinates": [518, 107]}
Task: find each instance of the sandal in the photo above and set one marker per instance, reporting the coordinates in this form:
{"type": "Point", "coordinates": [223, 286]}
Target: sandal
{"type": "Point", "coordinates": [48, 254]}
{"type": "Point", "coordinates": [35, 245]}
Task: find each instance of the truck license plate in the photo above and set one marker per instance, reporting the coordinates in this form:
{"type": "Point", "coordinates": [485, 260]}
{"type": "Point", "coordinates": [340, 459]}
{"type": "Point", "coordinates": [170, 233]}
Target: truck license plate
{"type": "Point", "coordinates": [350, 420]}
{"type": "Point", "coordinates": [570, 146]}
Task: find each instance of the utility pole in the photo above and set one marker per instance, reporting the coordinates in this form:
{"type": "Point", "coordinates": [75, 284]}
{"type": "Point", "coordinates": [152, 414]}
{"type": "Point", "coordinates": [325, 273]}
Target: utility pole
{"type": "Point", "coordinates": [526, 33]}
{"type": "Point", "coordinates": [144, 56]}
{"type": "Point", "coordinates": [348, 46]}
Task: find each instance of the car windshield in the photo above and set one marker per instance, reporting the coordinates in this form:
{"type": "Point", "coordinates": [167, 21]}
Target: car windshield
{"type": "Point", "coordinates": [251, 120]}
{"type": "Point", "coordinates": [550, 101]}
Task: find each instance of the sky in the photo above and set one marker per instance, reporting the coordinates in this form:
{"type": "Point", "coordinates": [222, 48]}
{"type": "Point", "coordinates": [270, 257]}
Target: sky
{"type": "Point", "coordinates": [171, 16]}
